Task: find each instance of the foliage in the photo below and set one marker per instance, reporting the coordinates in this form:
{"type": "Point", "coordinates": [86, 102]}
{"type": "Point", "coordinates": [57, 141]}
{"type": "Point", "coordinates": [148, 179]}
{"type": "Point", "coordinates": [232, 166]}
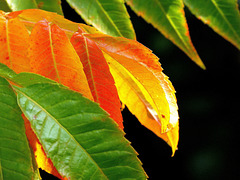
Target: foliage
{"type": "Point", "coordinates": [57, 68]}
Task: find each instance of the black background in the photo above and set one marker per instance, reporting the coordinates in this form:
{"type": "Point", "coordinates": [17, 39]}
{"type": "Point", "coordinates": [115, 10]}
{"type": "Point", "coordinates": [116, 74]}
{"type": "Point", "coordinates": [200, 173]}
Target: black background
{"type": "Point", "coordinates": [208, 103]}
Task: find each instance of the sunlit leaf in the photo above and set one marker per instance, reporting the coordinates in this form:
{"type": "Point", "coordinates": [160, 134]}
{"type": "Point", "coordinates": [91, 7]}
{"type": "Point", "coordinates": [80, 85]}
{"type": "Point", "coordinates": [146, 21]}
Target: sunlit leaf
{"type": "Point", "coordinates": [72, 136]}
{"type": "Point", "coordinates": [141, 85]}
{"type": "Point", "coordinates": [13, 43]}
{"type": "Point", "coordinates": [53, 56]}
{"type": "Point", "coordinates": [110, 17]}
{"type": "Point", "coordinates": [99, 78]}
{"type": "Point", "coordinates": [221, 15]}
{"type": "Point", "coordinates": [169, 18]}
{"type": "Point", "coordinates": [15, 156]}
{"type": "Point", "coordinates": [17, 5]}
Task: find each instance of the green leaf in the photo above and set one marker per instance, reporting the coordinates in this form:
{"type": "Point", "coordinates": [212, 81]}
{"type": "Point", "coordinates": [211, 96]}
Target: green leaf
{"type": "Point", "coordinates": [108, 16]}
{"type": "Point", "coordinates": [17, 5]}
{"type": "Point", "coordinates": [15, 155]}
{"type": "Point", "coordinates": [23, 79]}
{"type": "Point", "coordinates": [50, 5]}
{"type": "Point", "coordinates": [78, 136]}
{"type": "Point", "coordinates": [221, 15]}
{"type": "Point", "coordinates": [4, 6]}
{"type": "Point", "coordinates": [168, 17]}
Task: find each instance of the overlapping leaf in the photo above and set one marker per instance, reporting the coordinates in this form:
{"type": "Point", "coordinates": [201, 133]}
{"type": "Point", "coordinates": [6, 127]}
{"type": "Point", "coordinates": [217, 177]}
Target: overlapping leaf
{"type": "Point", "coordinates": [141, 85]}
{"type": "Point", "coordinates": [17, 5]}
{"type": "Point", "coordinates": [168, 17]}
{"type": "Point", "coordinates": [13, 43]}
{"type": "Point", "coordinates": [50, 5]}
{"type": "Point", "coordinates": [221, 15]}
{"type": "Point", "coordinates": [15, 155]}
{"type": "Point", "coordinates": [110, 17]}
{"type": "Point", "coordinates": [53, 56]}
{"type": "Point", "coordinates": [99, 78]}
{"type": "Point", "coordinates": [72, 136]}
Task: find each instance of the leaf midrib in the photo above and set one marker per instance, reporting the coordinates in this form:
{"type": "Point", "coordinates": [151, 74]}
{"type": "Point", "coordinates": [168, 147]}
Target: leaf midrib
{"type": "Point", "coordinates": [172, 24]}
{"type": "Point", "coordinates": [30, 99]}
{"type": "Point", "coordinates": [225, 19]}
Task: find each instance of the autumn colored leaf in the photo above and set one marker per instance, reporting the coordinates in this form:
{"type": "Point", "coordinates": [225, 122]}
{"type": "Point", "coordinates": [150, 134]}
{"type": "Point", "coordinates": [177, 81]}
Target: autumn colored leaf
{"type": "Point", "coordinates": [99, 78]}
{"type": "Point", "coordinates": [53, 56]}
{"type": "Point", "coordinates": [221, 15]}
{"type": "Point", "coordinates": [15, 155]}
{"type": "Point", "coordinates": [169, 18]}
{"type": "Point", "coordinates": [110, 17]}
{"type": "Point", "coordinates": [141, 85]}
{"type": "Point", "coordinates": [13, 43]}
{"type": "Point", "coordinates": [73, 136]}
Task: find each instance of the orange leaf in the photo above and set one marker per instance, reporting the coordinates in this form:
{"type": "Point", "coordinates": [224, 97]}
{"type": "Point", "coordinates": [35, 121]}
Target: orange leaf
{"type": "Point", "coordinates": [13, 43]}
{"type": "Point", "coordinates": [53, 56]}
{"type": "Point", "coordinates": [142, 86]}
{"type": "Point", "coordinates": [100, 80]}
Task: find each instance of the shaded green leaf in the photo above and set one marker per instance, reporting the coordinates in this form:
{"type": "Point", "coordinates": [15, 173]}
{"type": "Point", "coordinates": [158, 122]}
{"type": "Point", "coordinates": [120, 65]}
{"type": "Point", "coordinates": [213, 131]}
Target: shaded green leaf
{"type": "Point", "coordinates": [78, 136]}
{"type": "Point", "coordinates": [4, 6]}
{"type": "Point", "coordinates": [221, 15]}
{"type": "Point", "coordinates": [169, 18]}
{"type": "Point", "coordinates": [23, 79]}
{"type": "Point", "coordinates": [17, 5]}
{"type": "Point", "coordinates": [50, 5]}
{"type": "Point", "coordinates": [110, 17]}
{"type": "Point", "coordinates": [15, 155]}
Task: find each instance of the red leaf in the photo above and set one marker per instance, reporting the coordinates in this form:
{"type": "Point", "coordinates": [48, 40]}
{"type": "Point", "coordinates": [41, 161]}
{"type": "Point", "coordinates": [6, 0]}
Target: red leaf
{"type": "Point", "coordinates": [99, 78]}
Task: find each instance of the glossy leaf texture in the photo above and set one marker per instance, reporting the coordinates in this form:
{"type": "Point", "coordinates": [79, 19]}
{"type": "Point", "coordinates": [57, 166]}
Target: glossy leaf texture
{"type": "Point", "coordinates": [141, 85]}
{"type": "Point", "coordinates": [53, 56]}
{"type": "Point", "coordinates": [221, 15]}
{"type": "Point", "coordinates": [169, 18]}
{"type": "Point", "coordinates": [99, 78]}
{"type": "Point", "coordinates": [72, 136]}
{"type": "Point", "coordinates": [14, 42]}
{"type": "Point", "coordinates": [15, 155]}
{"type": "Point", "coordinates": [110, 17]}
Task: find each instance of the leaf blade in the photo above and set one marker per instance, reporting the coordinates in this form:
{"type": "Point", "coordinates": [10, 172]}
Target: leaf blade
{"type": "Point", "coordinates": [141, 84]}
{"type": "Point", "coordinates": [58, 57]}
{"type": "Point", "coordinates": [222, 16]}
{"type": "Point", "coordinates": [14, 43]}
{"type": "Point", "coordinates": [52, 5]}
{"type": "Point", "coordinates": [110, 17]}
{"type": "Point", "coordinates": [88, 131]}
{"type": "Point", "coordinates": [168, 17]}
{"type": "Point", "coordinates": [17, 5]}
{"type": "Point", "coordinates": [15, 156]}
{"type": "Point", "coordinates": [100, 80]}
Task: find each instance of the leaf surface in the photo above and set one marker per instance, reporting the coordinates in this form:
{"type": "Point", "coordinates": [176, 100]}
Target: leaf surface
{"type": "Point", "coordinates": [141, 85]}
{"type": "Point", "coordinates": [99, 78]}
{"type": "Point", "coordinates": [17, 5]}
{"type": "Point", "coordinates": [50, 5]}
{"type": "Point", "coordinates": [221, 15]}
{"type": "Point", "coordinates": [72, 136]}
{"type": "Point", "coordinates": [110, 17]}
{"type": "Point", "coordinates": [53, 56]}
{"type": "Point", "coordinates": [13, 43]}
{"type": "Point", "coordinates": [15, 156]}
{"type": "Point", "coordinates": [169, 18]}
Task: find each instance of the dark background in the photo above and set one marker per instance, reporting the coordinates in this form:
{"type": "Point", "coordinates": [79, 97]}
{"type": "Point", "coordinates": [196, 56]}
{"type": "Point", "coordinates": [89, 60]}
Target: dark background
{"type": "Point", "coordinates": [208, 103]}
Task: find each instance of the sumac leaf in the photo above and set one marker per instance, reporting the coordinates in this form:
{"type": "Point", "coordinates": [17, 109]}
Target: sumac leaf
{"type": "Point", "coordinates": [73, 136]}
